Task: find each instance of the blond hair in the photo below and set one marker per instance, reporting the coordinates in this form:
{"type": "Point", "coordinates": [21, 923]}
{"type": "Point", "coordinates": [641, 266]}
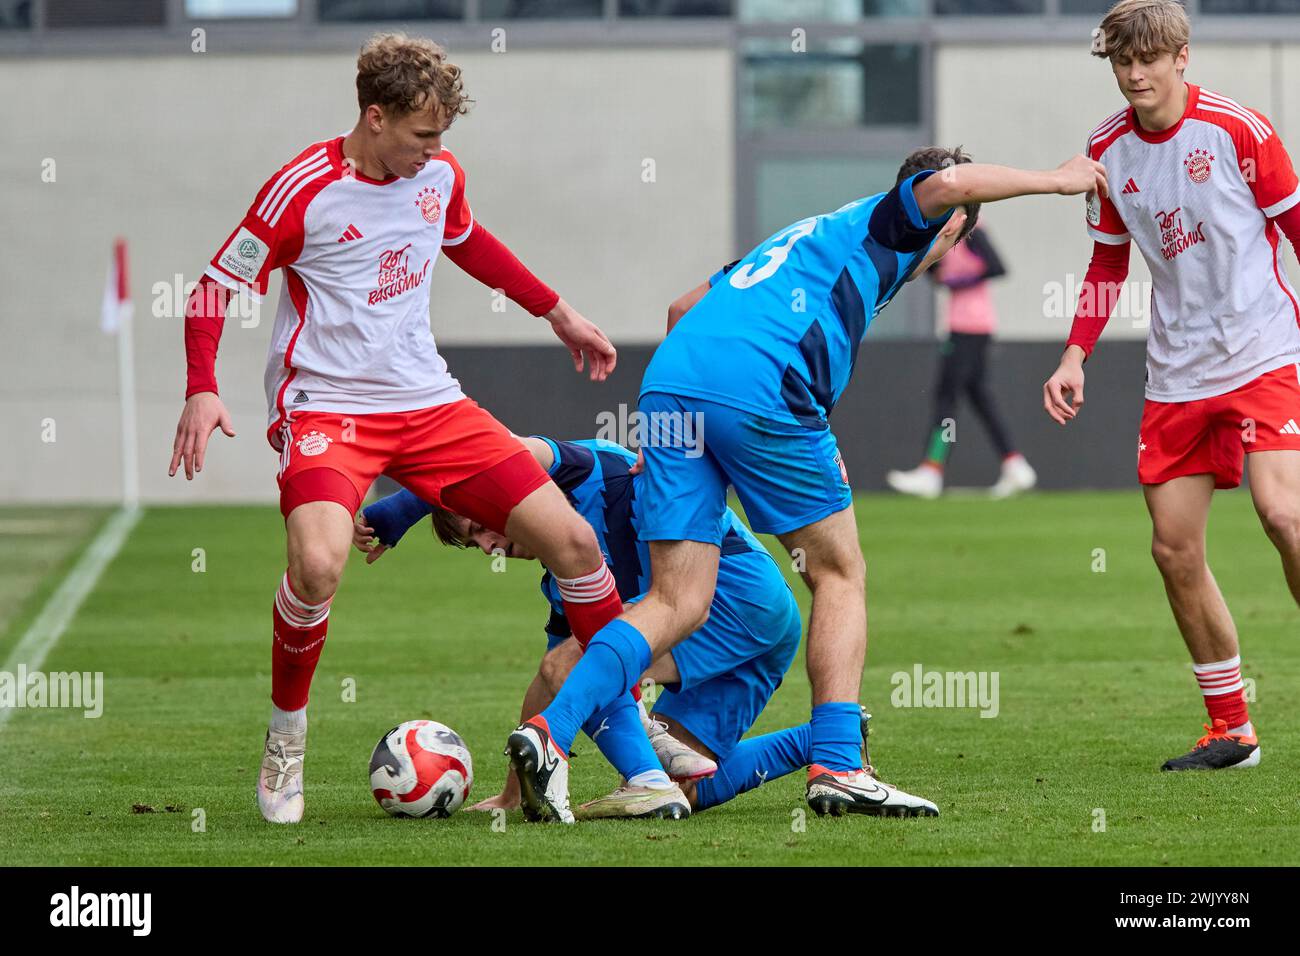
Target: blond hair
{"type": "Point", "coordinates": [1143, 28]}
{"type": "Point", "coordinates": [407, 75]}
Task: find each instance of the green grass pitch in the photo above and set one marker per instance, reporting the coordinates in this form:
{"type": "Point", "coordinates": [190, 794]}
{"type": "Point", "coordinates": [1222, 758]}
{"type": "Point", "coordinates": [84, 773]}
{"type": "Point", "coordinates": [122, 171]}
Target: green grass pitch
{"type": "Point", "coordinates": [1095, 692]}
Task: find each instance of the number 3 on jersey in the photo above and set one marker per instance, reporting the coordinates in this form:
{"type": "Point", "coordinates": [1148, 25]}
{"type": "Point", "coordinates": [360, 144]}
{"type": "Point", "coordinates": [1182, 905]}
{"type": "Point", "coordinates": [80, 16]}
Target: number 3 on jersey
{"type": "Point", "coordinates": [746, 275]}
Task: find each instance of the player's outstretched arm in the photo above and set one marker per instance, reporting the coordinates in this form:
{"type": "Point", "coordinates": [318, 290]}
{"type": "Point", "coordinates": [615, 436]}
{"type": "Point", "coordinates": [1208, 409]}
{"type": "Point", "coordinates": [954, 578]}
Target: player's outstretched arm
{"type": "Point", "coordinates": [981, 183]}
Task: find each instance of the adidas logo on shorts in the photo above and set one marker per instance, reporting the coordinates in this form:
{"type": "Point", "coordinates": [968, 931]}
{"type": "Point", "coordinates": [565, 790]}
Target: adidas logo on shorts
{"type": "Point", "coordinates": [1290, 428]}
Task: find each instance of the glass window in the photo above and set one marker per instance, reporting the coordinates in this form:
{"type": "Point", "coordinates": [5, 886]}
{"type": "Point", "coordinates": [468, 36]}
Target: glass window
{"type": "Point", "coordinates": [835, 11]}
{"type": "Point", "coordinates": [213, 9]}
{"type": "Point", "coordinates": [337, 10]}
{"type": "Point", "coordinates": [15, 14]}
{"type": "Point", "coordinates": [995, 8]}
{"type": "Point", "coordinates": [839, 83]}
{"type": "Point", "coordinates": [74, 14]}
{"type": "Point", "coordinates": [790, 188]}
{"type": "Point", "coordinates": [1250, 6]}
{"type": "Point", "coordinates": [1096, 8]}
{"type": "Point", "coordinates": [541, 9]}
{"type": "Point", "coordinates": [674, 8]}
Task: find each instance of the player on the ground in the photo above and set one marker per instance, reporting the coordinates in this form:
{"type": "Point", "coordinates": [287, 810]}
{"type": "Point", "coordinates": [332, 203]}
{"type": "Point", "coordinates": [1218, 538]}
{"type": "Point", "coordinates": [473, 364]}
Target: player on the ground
{"type": "Point", "coordinates": [354, 381]}
{"type": "Point", "coordinates": [718, 680]}
{"type": "Point", "coordinates": [1203, 185]}
{"type": "Point", "coordinates": [738, 394]}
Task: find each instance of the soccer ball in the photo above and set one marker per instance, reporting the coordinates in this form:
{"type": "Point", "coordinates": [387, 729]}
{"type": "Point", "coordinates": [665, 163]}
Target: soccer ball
{"type": "Point", "coordinates": [421, 769]}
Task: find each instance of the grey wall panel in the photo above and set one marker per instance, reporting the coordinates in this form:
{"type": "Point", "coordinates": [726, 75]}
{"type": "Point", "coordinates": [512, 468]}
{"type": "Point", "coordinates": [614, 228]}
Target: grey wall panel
{"type": "Point", "coordinates": [881, 420]}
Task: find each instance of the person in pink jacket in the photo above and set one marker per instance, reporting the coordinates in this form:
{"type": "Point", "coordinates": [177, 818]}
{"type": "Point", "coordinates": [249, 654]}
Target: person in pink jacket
{"type": "Point", "coordinates": [963, 370]}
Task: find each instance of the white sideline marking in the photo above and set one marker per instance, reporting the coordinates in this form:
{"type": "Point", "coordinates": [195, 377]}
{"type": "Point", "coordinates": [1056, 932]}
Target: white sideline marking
{"type": "Point", "coordinates": [63, 604]}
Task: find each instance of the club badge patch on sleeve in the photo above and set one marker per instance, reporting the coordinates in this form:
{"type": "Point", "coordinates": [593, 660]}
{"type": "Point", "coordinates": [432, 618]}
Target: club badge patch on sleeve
{"type": "Point", "coordinates": [244, 256]}
{"type": "Point", "coordinates": [1094, 209]}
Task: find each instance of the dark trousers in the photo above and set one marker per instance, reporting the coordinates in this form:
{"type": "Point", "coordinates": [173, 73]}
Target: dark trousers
{"type": "Point", "coordinates": [962, 370]}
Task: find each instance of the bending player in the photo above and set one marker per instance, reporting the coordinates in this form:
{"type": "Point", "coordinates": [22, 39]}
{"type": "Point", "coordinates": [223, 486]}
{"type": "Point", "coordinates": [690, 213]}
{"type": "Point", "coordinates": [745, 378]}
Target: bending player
{"type": "Point", "coordinates": [719, 679]}
{"type": "Point", "coordinates": [354, 381]}
{"type": "Point", "coordinates": [1208, 185]}
{"type": "Point", "coordinates": [788, 319]}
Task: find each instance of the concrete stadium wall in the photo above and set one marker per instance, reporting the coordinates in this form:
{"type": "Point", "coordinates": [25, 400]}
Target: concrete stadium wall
{"type": "Point", "coordinates": [169, 151]}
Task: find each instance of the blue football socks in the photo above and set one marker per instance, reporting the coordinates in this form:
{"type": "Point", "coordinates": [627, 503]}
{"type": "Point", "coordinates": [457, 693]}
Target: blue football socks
{"type": "Point", "coordinates": [615, 659]}
{"type": "Point", "coordinates": [837, 736]}
{"type": "Point", "coordinates": [754, 762]}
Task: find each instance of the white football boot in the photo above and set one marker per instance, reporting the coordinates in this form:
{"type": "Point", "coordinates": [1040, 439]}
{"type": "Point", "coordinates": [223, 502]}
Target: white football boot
{"type": "Point", "coordinates": [680, 762]}
{"type": "Point", "coordinates": [638, 803]}
{"type": "Point", "coordinates": [543, 774]}
{"type": "Point", "coordinates": [922, 481]}
{"type": "Point", "coordinates": [279, 781]}
{"type": "Point", "coordinates": [861, 791]}
{"type": "Point", "coordinates": [1017, 476]}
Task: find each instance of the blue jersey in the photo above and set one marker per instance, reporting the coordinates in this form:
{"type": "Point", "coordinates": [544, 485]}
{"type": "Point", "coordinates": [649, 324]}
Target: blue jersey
{"type": "Point", "coordinates": [593, 474]}
{"type": "Point", "coordinates": [778, 334]}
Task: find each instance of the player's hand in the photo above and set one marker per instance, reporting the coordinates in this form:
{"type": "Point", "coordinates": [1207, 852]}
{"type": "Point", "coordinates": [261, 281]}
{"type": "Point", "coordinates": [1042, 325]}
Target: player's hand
{"type": "Point", "coordinates": [1079, 174]}
{"type": "Point", "coordinates": [203, 412]}
{"type": "Point", "coordinates": [1063, 392]}
{"type": "Point", "coordinates": [363, 537]}
{"type": "Point", "coordinates": [507, 799]}
{"type": "Point", "coordinates": [583, 340]}
{"type": "Point", "coordinates": [638, 466]}
{"type": "Point", "coordinates": [502, 801]}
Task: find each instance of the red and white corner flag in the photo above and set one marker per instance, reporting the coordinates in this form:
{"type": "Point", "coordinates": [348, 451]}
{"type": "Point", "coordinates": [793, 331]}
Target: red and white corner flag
{"type": "Point", "coordinates": [117, 291]}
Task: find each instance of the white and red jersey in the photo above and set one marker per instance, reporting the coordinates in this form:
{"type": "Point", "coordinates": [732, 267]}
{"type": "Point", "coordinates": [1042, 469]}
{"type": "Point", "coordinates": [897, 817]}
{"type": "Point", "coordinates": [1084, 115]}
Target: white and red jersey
{"type": "Point", "coordinates": [352, 327]}
{"type": "Point", "coordinates": [1197, 198]}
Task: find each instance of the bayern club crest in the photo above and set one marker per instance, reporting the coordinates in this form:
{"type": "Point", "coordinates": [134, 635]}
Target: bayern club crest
{"type": "Point", "coordinates": [1199, 165]}
{"type": "Point", "coordinates": [430, 204]}
{"type": "Point", "coordinates": [314, 443]}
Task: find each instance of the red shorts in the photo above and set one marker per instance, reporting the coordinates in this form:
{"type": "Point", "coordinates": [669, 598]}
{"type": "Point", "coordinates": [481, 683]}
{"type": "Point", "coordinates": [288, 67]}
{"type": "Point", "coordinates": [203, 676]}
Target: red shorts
{"type": "Point", "coordinates": [456, 456]}
{"type": "Point", "coordinates": [1213, 435]}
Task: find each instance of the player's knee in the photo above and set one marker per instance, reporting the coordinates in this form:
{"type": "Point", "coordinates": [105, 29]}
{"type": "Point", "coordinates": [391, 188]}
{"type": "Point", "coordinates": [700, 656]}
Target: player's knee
{"type": "Point", "coordinates": [314, 574]}
{"type": "Point", "coordinates": [1282, 525]}
{"type": "Point", "coordinates": [1180, 562]}
{"type": "Point", "coordinates": [689, 607]}
{"type": "Point", "coordinates": [846, 572]}
{"type": "Point", "coordinates": [574, 550]}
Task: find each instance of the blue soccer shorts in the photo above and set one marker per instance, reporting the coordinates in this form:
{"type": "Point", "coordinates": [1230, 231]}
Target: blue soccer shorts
{"type": "Point", "coordinates": [787, 476]}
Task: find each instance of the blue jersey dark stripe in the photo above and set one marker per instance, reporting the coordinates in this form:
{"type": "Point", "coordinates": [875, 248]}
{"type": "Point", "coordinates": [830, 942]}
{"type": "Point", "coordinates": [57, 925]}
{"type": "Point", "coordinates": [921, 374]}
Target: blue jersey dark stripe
{"type": "Point", "coordinates": [575, 466]}
{"type": "Point", "coordinates": [620, 533]}
{"type": "Point", "coordinates": [886, 263]}
{"type": "Point", "coordinates": [847, 299]}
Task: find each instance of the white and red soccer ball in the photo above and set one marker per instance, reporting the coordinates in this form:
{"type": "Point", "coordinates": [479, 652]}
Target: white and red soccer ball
{"type": "Point", "coordinates": [421, 769]}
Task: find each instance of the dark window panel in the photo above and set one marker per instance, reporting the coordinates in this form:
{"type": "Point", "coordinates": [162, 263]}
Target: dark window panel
{"type": "Point", "coordinates": [542, 9]}
{"type": "Point", "coordinates": [339, 10]}
{"type": "Point", "coordinates": [1095, 8]}
{"type": "Point", "coordinates": [1229, 7]}
{"type": "Point", "coordinates": [855, 85]}
{"type": "Point", "coordinates": [675, 8]}
{"type": "Point", "coordinates": [71, 14]}
{"type": "Point", "coordinates": [987, 8]}
{"type": "Point", "coordinates": [15, 14]}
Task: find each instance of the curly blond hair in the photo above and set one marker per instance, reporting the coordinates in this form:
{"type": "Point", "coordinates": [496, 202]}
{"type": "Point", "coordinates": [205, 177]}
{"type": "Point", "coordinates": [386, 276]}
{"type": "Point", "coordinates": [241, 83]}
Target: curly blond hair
{"type": "Point", "coordinates": [402, 74]}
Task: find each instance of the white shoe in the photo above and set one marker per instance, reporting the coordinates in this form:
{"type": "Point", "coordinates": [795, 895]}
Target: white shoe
{"type": "Point", "coordinates": [859, 791]}
{"type": "Point", "coordinates": [1017, 476]}
{"type": "Point", "coordinates": [922, 481]}
{"type": "Point", "coordinates": [680, 762]}
{"type": "Point", "coordinates": [279, 781]}
{"type": "Point", "coordinates": [638, 803]}
{"type": "Point", "coordinates": [543, 774]}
